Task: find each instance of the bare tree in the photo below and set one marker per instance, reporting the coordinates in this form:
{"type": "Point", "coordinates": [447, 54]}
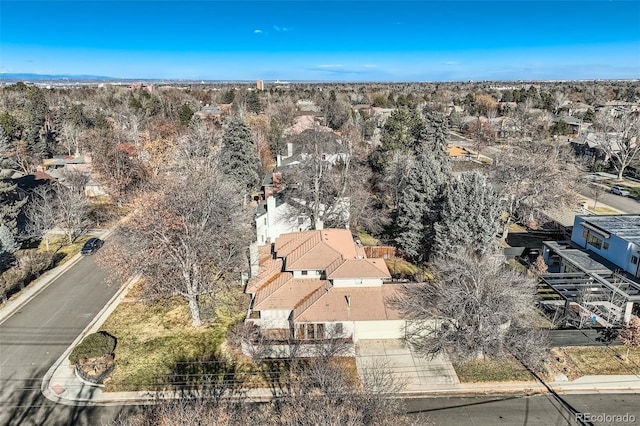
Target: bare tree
{"type": "Point", "coordinates": [620, 139]}
{"type": "Point", "coordinates": [187, 238]}
{"type": "Point", "coordinates": [630, 335]}
{"type": "Point", "coordinates": [70, 137]}
{"type": "Point", "coordinates": [72, 208]}
{"type": "Point", "coordinates": [595, 190]}
{"type": "Point", "coordinates": [317, 186]}
{"type": "Point", "coordinates": [475, 307]}
{"type": "Point", "coordinates": [41, 213]}
{"type": "Point", "coordinates": [534, 179]}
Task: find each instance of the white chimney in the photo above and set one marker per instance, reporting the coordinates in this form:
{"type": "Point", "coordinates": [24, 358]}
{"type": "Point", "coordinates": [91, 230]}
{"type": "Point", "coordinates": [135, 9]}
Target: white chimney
{"type": "Point", "coordinates": [319, 225]}
{"type": "Point", "coordinates": [289, 149]}
{"type": "Point", "coordinates": [271, 204]}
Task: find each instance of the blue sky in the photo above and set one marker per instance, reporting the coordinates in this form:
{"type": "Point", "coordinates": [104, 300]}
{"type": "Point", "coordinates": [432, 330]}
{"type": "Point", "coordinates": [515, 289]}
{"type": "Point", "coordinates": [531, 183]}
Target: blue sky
{"type": "Point", "coordinates": [328, 40]}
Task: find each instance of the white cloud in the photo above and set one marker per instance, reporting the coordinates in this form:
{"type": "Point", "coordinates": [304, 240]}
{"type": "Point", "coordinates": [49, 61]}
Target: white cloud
{"type": "Point", "coordinates": [451, 63]}
{"type": "Point", "coordinates": [281, 29]}
{"type": "Point", "coordinates": [330, 66]}
{"type": "Point", "coordinates": [257, 31]}
{"type": "Point", "coordinates": [370, 65]}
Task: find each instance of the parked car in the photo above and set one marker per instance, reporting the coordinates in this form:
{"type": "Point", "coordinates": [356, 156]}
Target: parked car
{"type": "Point", "coordinates": [619, 191]}
{"type": "Point", "coordinates": [91, 246]}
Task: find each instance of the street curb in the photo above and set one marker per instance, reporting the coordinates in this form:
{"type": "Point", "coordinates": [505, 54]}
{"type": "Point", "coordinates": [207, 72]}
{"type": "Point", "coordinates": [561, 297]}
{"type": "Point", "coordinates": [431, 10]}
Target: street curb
{"type": "Point", "coordinates": [35, 288]}
{"type": "Point", "coordinates": [63, 361]}
{"type": "Point", "coordinates": [41, 283]}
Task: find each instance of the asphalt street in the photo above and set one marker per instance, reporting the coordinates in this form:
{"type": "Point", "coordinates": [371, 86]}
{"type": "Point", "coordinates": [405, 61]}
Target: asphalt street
{"type": "Point", "coordinates": [525, 411]}
{"type": "Point", "coordinates": [34, 338]}
{"type": "Point", "coordinates": [625, 204]}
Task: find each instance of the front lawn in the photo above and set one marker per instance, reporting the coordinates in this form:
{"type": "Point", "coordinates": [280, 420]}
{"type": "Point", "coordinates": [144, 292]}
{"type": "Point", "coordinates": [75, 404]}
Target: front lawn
{"type": "Point", "coordinates": [157, 344]}
{"type": "Point", "coordinates": [61, 250]}
{"type": "Point", "coordinates": [492, 370]}
{"type": "Point", "coordinates": [577, 361]}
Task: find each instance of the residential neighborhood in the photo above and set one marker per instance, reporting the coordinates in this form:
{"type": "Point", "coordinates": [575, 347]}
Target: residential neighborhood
{"type": "Point", "coordinates": [263, 214]}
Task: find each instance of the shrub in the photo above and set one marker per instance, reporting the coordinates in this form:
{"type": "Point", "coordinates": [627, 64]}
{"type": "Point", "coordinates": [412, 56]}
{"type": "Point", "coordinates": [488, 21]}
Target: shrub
{"type": "Point", "coordinates": [93, 346]}
{"type": "Point", "coordinates": [35, 262]}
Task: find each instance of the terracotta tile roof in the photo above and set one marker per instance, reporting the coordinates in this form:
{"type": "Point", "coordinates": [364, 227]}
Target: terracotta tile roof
{"type": "Point", "coordinates": [269, 271]}
{"type": "Point", "coordinates": [360, 268]}
{"type": "Point", "coordinates": [367, 304]}
{"type": "Point", "coordinates": [288, 294]}
{"type": "Point", "coordinates": [307, 256]}
{"type": "Point", "coordinates": [456, 151]}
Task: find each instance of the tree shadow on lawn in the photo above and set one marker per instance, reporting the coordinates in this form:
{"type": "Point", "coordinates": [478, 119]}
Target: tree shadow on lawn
{"type": "Point", "coordinates": [211, 377]}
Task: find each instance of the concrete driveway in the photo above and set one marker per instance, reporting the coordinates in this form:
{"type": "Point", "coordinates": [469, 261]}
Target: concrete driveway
{"type": "Point", "coordinates": [417, 373]}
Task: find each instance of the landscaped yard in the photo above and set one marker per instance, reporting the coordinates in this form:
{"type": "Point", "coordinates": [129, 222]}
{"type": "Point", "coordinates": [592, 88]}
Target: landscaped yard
{"type": "Point", "coordinates": [63, 251]}
{"type": "Point", "coordinates": [157, 341]}
{"type": "Point", "coordinates": [493, 370]}
{"type": "Point", "coordinates": [577, 361]}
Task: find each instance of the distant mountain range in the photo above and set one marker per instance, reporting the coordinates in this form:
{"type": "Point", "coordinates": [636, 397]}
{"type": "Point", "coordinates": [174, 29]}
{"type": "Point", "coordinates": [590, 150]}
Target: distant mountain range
{"type": "Point", "coordinates": [48, 77]}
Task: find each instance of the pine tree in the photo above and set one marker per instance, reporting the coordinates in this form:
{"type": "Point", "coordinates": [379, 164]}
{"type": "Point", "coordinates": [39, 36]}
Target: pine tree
{"type": "Point", "coordinates": [469, 216]}
{"type": "Point", "coordinates": [421, 199]}
{"type": "Point", "coordinates": [239, 157]}
{"type": "Point", "coordinates": [253, 102]}
{"type": "Point", "coordinates": [419, 205]}
{"type": "Point", "coordinates": [9, 204]}
{"type": "Point", "coordinates": [8, 247]}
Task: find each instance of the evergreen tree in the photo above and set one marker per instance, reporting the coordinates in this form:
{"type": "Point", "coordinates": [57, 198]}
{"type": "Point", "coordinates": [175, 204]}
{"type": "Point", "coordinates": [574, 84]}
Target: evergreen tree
{"type": "Point", "coordinates": [37, 133]}
{"type": "Point", "coordinates": [8, 247]}
{"type": "Point", "coordinates": [253, 102]}
{"type": "Point", "coordinates": [420, 202]}
{"type": "Point", "coordinates": [419, 205]}
{"type": "Point", "coordinates": [469, 218]}
{"type": "Point", "coordinates": [184, 114]}
{"type": "Point", "coordinates": [9, 204]}
{"type": "Point", "coordinates": [239, 157]}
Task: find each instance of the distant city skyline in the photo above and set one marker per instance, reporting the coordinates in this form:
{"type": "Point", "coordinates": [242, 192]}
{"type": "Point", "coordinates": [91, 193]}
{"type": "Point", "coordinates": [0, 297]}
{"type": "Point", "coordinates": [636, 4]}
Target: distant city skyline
{"type": "Point", "coordinates": [323, 41]}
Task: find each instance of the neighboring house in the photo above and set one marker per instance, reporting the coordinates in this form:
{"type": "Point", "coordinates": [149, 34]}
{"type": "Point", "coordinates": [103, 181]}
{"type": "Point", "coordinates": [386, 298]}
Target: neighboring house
{"type": "Point", "coordinates": [599, 267]}
{"type": "Point", "coordinates": [307, 106]}
{"type": "Point", "coordinates": [57, 166]}
{"type": "Point", "coordinates": [275, 217]}
{"type": "Point", "coordinates": [316, 285]}
{"type": "Point", "coordinates": [576, 126]}
{"type": "Point", "coordinates": [210, 112]}
{"type": "Point", "coordinates": [458, 153]}
{"type": "Point", "coordinates": [592, 145]}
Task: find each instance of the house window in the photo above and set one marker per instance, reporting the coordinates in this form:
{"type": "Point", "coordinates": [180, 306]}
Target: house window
{"type": "Point", "coordinates": [300, 331]}
{"type": "Point", "coordinates": [594, 241]}
{"type": "Point", "coordinates": [300, 220]}
{"type": "Point", "coordinates": [320, 331]}
{"type": "Point", "coordinates": [311, 334]}
{"type": "Point", "coordinates": [304, 272]}
{"type": "Point", "coordinates": [584, 234]}
{"type": "Point", "coordinates": [324, 157]}
{"type": "Point", "coordinates": [337, 328]}
{"type": "Point", "coordinates": [634, 260]}
{"type": "Point", "coordinates": [605, 245]}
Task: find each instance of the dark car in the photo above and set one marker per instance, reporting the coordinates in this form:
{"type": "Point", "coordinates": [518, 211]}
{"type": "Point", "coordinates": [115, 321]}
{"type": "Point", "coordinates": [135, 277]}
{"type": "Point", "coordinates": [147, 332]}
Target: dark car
{"type": "Point", "coordinates": [91, 246]}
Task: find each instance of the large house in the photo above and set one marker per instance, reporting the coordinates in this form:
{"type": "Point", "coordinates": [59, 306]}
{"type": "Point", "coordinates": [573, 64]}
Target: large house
{"type": "Point", "coordinates": [274, 215]}
{"type": "Point", "coordinates": [315, 285]}
{"type": "Point", "coordinates": [599, 267]}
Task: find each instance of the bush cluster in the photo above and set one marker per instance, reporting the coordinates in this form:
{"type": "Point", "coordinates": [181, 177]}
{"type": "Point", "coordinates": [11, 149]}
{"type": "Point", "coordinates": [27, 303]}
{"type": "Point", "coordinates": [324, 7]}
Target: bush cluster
{"type": "Point", "coordinates": [29, 266]}
{"type": "Point", "coordinates": [93, 346]}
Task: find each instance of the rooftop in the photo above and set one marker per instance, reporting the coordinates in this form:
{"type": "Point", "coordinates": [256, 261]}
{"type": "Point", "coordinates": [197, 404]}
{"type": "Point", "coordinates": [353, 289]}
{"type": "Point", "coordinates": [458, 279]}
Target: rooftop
{"type": "Point", "coordinates": [625, 226]}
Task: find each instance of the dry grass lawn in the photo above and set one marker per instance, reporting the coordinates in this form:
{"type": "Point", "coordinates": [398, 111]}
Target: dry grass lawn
{"type": "Point", "coordinates": [64, 252]}
{"type": "Point", "coordinates": [492, 370]}
{"type": "Point", "coordinates": [577, 361]}
{"type": "Point", "coordinates": [602, 210]}
{"type": "Point", "coordinates": [154, 337]}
